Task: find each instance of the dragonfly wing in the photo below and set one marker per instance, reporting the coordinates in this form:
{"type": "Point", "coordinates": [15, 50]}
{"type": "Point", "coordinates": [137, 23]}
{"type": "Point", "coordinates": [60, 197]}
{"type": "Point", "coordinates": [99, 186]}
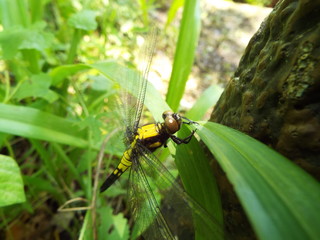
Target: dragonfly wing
{"type": "Point", "coordinates": [134, 84]}
{"type": "Point", "coordinates": [175, 217]}
{"type": "Point", "coordinates": [146, 213]}
{"type": "Point", "coordinates": [145, 58]}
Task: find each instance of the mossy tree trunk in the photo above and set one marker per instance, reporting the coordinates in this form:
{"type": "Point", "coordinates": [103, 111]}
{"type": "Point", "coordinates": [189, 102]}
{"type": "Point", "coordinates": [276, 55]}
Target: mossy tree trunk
{"type": "Point", "coordinates": [274, 96]}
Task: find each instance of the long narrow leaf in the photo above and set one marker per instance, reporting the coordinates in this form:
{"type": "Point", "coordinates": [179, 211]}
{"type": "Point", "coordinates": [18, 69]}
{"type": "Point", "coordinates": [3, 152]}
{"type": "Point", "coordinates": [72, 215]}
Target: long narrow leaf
{"type": "Point", "coordinates": [33, 123]}
{"type": "Point", "coordinates": [281, 200]}
{"type": "Point", "coordinates": [198, 179]}
{"type": "Point", "coordinates": [184, 56]}
{"type": "Point", "coordinates": [207, 99]}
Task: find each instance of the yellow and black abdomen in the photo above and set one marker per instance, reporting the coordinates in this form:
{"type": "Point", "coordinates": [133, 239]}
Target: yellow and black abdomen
{"type": "Point", "coordinates": [125, 163]}
{"type": "Point", "coordinates": [151, 136]}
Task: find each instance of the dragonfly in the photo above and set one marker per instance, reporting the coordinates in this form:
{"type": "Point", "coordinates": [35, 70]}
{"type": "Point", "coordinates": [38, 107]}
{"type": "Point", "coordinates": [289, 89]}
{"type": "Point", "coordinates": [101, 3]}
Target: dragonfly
{"type": "Point", "coordinates": [146, 170]}
{"type": "Point", "coordinates": [146, 139]}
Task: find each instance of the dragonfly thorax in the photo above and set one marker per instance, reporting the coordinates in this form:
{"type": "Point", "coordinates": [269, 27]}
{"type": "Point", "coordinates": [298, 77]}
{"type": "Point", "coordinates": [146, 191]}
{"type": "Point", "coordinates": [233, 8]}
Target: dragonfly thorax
{"type": "Point", "coordinates": [172, 121]}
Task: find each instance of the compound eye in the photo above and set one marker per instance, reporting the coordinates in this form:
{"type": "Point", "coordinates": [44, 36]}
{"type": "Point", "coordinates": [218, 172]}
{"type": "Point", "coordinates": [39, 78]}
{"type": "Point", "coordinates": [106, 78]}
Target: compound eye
{"type": "Point", "coordinates": [166, 114]}
{"type": "Point", "coordinates": [171, 124]}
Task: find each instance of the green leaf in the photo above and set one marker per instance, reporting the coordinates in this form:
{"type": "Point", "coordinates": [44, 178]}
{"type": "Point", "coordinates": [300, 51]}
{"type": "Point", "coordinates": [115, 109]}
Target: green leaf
{"type": "Point", "coordinates": [17, 38]}
{"type": "Point", "coordinates": [3, 139]}
{"type": "Point", "coordinates": [11, 40]}
{"type": "Point", "coordinates": [113, 226]}
{"type": "Point", "coordinates": [38, 86]}
{"type": "Point", "coordinates": [175, 5]}
{"type": "Point", "coordinates": [199, 182]}
{"type": "Point", "coordinates": [14, 13]}
{"type": "Point", "coordinates": [37, 38]}
{"type": "Point", "coordinates": [32, 123]}
{"type": "Point", "coordinates": [58, 74]}
{"type": "Point", "coordinates": [184, 56]}
{"type": "Point", "coordinates": [100, 83]}
{"type": "Point", "coordinates": [85, 20]}
{"type": "Point", "coordinates": [207, 99]}
{"type": "Point", "coordinates": [281, 200]}
{"type": "Point", "coordinates": [11, 184]}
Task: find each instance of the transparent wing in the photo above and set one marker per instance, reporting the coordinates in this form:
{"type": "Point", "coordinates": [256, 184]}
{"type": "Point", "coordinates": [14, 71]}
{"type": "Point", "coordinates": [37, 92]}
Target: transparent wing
{"type": "Point", "coordinates": [134, 84]}
{"type": "Point", "coordinates": [144, 207]}
{"type": "Point", "coordinates": [126, 106]}
{"type": "Point", "coordinates": [145, 59]}
{"type": "Point", "coordinates": [177, 215]}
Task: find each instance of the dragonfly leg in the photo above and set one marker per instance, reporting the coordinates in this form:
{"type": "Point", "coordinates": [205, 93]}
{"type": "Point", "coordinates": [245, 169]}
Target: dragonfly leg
{"type": "Point", "coordinates": [184, 140]}
{"type": "Point", "coordinates": [189, 122]}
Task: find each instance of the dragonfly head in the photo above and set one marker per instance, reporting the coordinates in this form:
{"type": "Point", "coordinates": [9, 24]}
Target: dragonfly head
{"type": "Point", "coordinates": [172, 121]}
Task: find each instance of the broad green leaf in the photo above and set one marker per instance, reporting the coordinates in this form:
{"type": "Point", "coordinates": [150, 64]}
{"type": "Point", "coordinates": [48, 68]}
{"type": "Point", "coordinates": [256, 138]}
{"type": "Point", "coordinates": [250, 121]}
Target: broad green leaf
{"type": "Point", "coordinates": [17, 38]}
{"type": "Point", "coordinates": [184, 56]}
{"type": "Point", "coordinates": [11, 40]}
{"type": "Point", "coordinates": [37, 86]}
{"type": "Point", "coordinates": [11, 184]}
{"type": "Point", "coordinates": [33, 123]}
{"type": "Point", "coordinates": [85, 20]}
{"type": "Point", "coordinates": [117, 223]}
{"type": "Point", "coordinates": [281, 200]}
{"type": "Point", "coordinates": [37, 38]}
{"type": "Point", "coordinates": [100, 83]}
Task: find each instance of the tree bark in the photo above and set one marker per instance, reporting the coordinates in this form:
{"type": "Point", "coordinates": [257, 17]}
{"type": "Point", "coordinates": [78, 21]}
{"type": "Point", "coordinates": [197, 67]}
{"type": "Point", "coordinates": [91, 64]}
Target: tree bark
{"type": "Point", "coordinates": [274, 96]}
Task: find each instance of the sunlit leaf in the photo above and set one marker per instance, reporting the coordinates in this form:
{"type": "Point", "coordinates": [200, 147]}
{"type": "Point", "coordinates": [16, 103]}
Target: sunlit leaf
{"type": "Point", "coordinates": [37, 86]}
{"type": "Point", "coordinates": [11, 184]}
{"type": "Point", "coordinates": [184, 56]}
{"type": "Point", "coordinates": [112, 226]}
{"type": "Point", "coordinates": [17, 38]}
{"type": "Point", "coordinates": [33, 123]}
{"type": "Point", "coordinates": [58, 74]}
{"type": "Point", "coordinates": [11, 40]}
{"type": "Point", "coordinates": [84, 20]}
{"type": "Point", "coordinates": [174, 7]}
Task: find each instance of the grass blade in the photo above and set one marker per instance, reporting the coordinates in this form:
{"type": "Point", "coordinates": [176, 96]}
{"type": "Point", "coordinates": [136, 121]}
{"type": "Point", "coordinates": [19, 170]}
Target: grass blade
{"type": "Point", "coordinates": [281, 200]}
{"type": "Point", "coordinates": [207, 99]}
{"type": "Point", "coordinates": [184, 56]}
{"type": "Point", "coordinates": [32, 123]}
